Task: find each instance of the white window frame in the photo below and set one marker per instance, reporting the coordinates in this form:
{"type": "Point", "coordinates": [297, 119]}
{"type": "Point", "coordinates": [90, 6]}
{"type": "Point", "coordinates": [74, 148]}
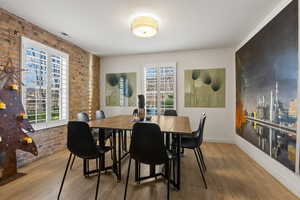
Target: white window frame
{"type": "Point", "coordinates": [158, 66]}
{"type": "Point", "coordinates": [50, 51]}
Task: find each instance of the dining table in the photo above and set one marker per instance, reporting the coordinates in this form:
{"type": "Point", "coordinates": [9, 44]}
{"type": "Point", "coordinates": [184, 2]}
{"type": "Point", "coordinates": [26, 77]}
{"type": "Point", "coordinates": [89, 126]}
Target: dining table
{"type": "Point", "coordinates": [171, 126]}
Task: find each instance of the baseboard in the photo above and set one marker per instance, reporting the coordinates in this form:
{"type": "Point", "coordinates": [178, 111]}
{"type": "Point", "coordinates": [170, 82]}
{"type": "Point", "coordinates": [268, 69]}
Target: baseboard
{"type": "Point", "coordinates": [285, 176]}
{"type": "Point", "coordinates": [220, 140]}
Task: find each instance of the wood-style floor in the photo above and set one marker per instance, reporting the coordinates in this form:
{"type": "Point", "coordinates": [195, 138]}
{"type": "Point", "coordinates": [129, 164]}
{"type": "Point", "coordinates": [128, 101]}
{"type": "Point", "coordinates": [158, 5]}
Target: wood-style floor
{"type": "Point", "coordinates": [231, 175]}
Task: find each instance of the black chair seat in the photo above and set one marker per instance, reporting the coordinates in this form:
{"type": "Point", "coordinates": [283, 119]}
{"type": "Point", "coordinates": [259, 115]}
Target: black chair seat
{"type": "Point", "coordinates": [189, 143]}
{"type": "Point", "coordinates": [100, 149]}
{"type": "Point", "coordinates": [103, 149]}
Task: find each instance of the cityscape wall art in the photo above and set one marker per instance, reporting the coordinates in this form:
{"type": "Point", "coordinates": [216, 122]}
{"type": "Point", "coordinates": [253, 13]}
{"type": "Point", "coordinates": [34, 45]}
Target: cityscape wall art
{"type": "Point", "coordinates": [120, 89]}
{"type": "Point", "coordinates": [204, 87]}
{"type": "Point", "coordinates": [266, 87]}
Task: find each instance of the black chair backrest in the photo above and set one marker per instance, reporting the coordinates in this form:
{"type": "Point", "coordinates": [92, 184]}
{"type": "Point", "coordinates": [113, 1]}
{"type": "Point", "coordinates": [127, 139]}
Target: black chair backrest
{"type": "Point", "coordinates": [83, 117]}
{"type": "Point", "coordinates": [170, 113]}
{"type": "Point", "coordinates": [199, 133]}
{"type": "Point", "coordinates": [100, 114]}
{"type": "Point", "coordinates": [147, 144]}
{"type": "Point", "coordinates": [80, 140]}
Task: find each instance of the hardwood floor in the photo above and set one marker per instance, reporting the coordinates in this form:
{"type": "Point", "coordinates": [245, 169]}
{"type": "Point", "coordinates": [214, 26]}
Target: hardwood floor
{"type": "Point", "coordinates": [231, 175]}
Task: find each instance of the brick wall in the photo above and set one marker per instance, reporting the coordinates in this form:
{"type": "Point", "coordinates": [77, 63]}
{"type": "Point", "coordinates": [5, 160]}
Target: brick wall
{"type": "Point", "coordinates": [80, 80]}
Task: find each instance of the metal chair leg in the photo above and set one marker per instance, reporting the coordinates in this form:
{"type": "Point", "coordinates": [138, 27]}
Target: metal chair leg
{"type": "Point", "coordinates": [127, 178]}
{"type": "Point", "coordinates": [111, 145]}
{"type": "Point", "coordinates": [200, 169]}
{"type": "Point", "coordinates": [72, 162]}
{"type": "Point", "coordinates": [173, 168]}
{"type": "Point", "coordinates": [168, 171]}
{"type": "Point", "coordinates": [97, 163]}
{"type": "Point", "coordinates": [65, 174]}
{"type": "Point", "coordinates": [201, 158]}
{"type": "Point", "coordinates": [99, 172]}
{"type": "Point", "coordinates": [139, 172]}
{"type": "Point", "coordinates": [88, 166]}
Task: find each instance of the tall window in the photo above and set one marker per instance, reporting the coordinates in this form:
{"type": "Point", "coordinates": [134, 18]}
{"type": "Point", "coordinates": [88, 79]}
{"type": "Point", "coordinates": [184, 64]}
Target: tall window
{"type": "Point", "coordinates": [45, 89]}
{"type": "Point", "coordinates": [160, 88]}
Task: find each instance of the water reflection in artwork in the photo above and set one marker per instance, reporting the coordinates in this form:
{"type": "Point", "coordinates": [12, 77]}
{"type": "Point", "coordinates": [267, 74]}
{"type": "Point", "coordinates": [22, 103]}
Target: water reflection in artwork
{"type": "Point", "coordinates": [279, 144]}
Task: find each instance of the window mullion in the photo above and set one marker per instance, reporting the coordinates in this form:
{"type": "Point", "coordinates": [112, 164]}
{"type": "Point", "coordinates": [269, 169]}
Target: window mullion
{"type": "Point", "coordinates": [48, 91]}
{"type": "Point", "coordinates": [158, 89]}
{"type": "Point", "coordinates": [61, 88]}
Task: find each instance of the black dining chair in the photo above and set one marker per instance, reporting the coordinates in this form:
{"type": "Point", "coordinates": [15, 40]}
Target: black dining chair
{"type": "Point", "coordinates": [107, 132]}
{"type": "Point", "coordinates": [194, 142]}
{"type": "Point", "coordinates": [147, 146]}
{"type": "Point", "coordinates": [82, 117]}
{"type": "Point", "coordinates": [81, 143]}
{"type": "Point", "coordinates": [101, 115]}
{"type": "Point", "coordinates": [170, 113]}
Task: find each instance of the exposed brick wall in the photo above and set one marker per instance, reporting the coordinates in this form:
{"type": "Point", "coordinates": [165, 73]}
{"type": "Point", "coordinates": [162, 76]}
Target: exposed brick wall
{"type": "Point", "coordinates": [54, 139]}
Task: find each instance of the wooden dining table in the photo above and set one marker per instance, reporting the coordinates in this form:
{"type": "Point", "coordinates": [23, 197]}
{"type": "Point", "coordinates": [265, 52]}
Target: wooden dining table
{"type": "Point", "coordinates": [169, 125]}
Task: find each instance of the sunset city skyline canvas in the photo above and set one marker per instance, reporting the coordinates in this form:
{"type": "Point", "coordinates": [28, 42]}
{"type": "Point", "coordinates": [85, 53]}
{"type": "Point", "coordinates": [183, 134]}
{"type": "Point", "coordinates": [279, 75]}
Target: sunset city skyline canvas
{"type": "Point", "coordinates": [266, 87]}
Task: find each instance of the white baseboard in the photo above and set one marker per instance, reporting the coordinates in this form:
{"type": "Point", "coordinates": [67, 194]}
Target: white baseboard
{"type": "Point", "coordinates": [288, 178]}
{"type": "Point", "coordinates": [220, 140]}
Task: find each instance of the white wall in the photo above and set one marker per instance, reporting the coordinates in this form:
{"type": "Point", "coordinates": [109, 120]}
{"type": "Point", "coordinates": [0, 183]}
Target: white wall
{"type": "Point", "coordinates": [288, 178]}
{"type": "Point", "coordinates": [220, 124]}
{"type": "Point", "coordinates": [220, 121]}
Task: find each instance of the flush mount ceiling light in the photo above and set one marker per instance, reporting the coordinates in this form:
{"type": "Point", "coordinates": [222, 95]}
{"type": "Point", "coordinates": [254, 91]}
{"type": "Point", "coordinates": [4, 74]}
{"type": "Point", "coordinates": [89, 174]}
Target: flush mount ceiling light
{"type": "Point", "coordinates": [144, 26]}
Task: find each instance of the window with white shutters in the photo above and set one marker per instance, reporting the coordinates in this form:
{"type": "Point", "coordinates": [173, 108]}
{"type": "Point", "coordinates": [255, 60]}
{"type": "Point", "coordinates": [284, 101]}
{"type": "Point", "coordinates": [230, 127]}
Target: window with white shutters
{"type": "Point", "coordinates": [45, 89]}
{"type": "Point", "coordinates": [160, 88]}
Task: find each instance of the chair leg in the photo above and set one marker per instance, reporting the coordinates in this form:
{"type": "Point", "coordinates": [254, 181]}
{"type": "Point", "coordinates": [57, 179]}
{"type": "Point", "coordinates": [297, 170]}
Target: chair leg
{"type": "Point", "coordinates": [97, 163]}
{"type": "Point", "coordinates": [99, 172]}
{"type": "Point", "coordinates": [127, 178]}
{"type": "Point", "coordinates": [111, 145]}
{"type": "Point", "coordinates": [65, 174]}
{"type": "Point", "coordinates": [139, 172]}
{"type": "Point", "coordinates": [72, 162]}
{"type": "Point", "coordinates": [173, 168]}
{"type": "Point", "coordinates": [88, 166]}
{"type": "Point", "coordinates": [200, 169]}
{"type": "Point", "coordinates": [168, 176]}
{"type": "Point", "coordinates": [201, 158]}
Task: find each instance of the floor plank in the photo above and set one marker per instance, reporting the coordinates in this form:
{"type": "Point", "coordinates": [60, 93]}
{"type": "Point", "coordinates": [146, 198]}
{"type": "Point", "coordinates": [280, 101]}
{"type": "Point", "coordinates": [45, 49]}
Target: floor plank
{"type": "Point", "coordinates": [231, 175]}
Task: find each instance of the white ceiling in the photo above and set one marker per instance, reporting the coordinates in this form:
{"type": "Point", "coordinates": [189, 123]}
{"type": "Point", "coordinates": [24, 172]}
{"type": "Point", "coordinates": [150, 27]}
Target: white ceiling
{"type": "Point", "coordinates": [103, 26]}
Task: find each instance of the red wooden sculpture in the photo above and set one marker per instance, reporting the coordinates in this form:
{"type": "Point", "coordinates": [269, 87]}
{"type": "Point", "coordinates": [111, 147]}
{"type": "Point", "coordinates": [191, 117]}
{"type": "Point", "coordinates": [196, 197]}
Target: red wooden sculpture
{"type": "Point", "coordinates": [13, 123]}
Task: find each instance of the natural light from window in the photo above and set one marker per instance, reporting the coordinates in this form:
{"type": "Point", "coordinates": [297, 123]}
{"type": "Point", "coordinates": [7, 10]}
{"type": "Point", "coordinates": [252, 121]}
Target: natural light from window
{"type": "Point", "coordinates": [44, 93]}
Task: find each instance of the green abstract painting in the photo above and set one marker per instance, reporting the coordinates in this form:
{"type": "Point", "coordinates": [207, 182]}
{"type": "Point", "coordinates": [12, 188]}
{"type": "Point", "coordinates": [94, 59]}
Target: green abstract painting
{"type": "Point", "coordinates": [121, 89]}
{"type": "Point", "coordinates": [204, 88]}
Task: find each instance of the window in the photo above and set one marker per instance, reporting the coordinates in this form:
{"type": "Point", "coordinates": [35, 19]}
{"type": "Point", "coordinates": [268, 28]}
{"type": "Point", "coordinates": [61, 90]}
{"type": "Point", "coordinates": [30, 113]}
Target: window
{"type": "Point", "coordinates": [45, 89]}
{"type": "Point", "coordinates": [160, 88]}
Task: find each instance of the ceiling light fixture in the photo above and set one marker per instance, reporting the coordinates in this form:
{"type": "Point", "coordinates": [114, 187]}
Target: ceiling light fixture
{"type": "Point", "coordinates": [144, 26]}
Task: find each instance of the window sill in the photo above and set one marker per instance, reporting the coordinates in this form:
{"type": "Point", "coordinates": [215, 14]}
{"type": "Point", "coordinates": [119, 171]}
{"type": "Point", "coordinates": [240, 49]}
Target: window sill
{"type": "Point", "coordinates": [43, 126]}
